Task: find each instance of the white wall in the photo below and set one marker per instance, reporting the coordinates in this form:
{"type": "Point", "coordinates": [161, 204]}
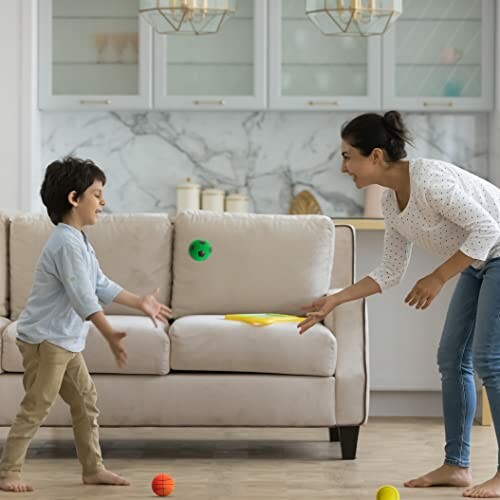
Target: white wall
{"type": "Point", "coordinates": [404, 378]}
{"type": "Point", "coordinates": [19, 122]}
{"type": "Point", "coordinates": [403, 340]}
{"type": "Point", "coordinates": [10, 103]}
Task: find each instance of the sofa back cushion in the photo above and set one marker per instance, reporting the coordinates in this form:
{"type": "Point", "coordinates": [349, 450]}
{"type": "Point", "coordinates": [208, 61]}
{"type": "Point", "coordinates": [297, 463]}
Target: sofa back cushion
{"type": "Point", "coordinates": [133, 250]}
{"type": "Point", "coordinates": [4, 263]}
{"type": "Point", "coordinates": [260, 263]}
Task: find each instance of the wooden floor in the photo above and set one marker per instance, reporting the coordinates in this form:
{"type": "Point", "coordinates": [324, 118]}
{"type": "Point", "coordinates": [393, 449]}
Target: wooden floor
{"type": "Point", "coordinates": [257, 464]}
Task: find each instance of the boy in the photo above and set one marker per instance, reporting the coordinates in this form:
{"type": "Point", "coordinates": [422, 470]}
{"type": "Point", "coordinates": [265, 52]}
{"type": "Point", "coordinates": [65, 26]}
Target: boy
{"type": "Point", "coordinates": [68, 285]}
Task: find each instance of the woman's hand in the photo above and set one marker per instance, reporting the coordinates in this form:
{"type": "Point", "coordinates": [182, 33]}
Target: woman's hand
{"type": "Point", "coordinates": [425, 291]}
{"type": "Point", "coordinates": [154, 309]}
{"type": "Point", "coordinates": [317, 311]}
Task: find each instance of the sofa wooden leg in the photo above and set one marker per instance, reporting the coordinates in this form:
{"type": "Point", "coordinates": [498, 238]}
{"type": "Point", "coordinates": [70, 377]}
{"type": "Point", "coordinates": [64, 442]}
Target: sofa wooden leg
{"type": "Point", "coordinates": [349, 441]}
{"type": "Point", "coordinates": [334, 435]}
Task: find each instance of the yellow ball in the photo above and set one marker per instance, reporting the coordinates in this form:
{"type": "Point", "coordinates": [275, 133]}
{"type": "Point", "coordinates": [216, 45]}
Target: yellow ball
{"type": "Point", "coordinates": [388, 493]}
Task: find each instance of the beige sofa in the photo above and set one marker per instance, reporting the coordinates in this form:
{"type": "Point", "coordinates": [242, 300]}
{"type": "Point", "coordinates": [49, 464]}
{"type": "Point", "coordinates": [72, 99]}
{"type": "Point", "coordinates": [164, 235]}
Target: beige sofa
{"type": "Point", "coordinates": [203, 370]}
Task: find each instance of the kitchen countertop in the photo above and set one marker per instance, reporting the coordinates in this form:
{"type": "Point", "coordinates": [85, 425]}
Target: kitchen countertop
{"type": "Point", "coordinates": [362, 223]}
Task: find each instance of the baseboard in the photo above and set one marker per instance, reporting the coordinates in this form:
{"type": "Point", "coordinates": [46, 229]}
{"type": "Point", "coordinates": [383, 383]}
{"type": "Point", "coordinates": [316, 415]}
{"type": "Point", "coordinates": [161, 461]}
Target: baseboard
{"type": "Point", "coordinates": [418, 404]}
{"type": "Point", "coordinates": [405, 404]}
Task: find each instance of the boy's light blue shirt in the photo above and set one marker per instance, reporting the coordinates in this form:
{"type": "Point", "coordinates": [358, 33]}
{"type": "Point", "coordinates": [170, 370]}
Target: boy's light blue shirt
{"type": "Point", "coordinates": [67, 287]}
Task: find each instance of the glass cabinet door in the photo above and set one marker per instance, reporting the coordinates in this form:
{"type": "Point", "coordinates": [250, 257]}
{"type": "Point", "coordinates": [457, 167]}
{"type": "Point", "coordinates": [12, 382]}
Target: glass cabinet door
{"type": "Point", "coordinates": [94, 54]}
{"type": "Point", "coordinates": [225, 70]}
{"type": "Point", "coordinates": [310, 70]}
{"type": "Point", "coordinates": [439, 55]}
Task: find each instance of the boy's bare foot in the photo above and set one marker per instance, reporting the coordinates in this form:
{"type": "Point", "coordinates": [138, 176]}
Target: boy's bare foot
{"type": "Point", "coordinates": [105, 477]}
{"type": "Point", "coordinates": [14, 484]}
{"type": "Point", "coordinates": [446, 475]}
{"type": "Point", "coordinates": [488, 489]}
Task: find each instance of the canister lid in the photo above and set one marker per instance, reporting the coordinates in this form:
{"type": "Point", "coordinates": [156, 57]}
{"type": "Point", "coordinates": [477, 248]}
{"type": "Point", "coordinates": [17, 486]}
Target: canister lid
{"type": "Point", "coordinates": [237, 197]}
{"type": "Point", "coordinates": [188, 185]}
{"type": "Point", "coordinates": [213, 192]}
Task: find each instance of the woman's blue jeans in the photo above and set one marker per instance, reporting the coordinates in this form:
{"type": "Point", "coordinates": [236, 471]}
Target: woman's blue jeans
{"type": "Point", "coordinates": [470, 341]}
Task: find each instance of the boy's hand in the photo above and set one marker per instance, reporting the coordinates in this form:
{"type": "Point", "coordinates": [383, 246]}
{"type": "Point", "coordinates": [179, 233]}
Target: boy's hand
{"type": "Point", "coordinates": [154, 309]}
{"type": "Point", "coordinates": [119, 352]}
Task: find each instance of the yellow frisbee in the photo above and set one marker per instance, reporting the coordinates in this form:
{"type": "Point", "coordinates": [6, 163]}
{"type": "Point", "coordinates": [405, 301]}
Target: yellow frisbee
{"type": "Point", "coordinates": [388, 493]}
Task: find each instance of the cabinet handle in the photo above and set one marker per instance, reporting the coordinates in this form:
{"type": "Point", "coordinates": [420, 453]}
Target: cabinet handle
{"type": "Point", "coordinates": [95, 101]}
{"type": "Point", "coordinates": [442, 104]}
{"type": "Point", "coordinates": [217, 102]}
{"type": "Point", "coordinates": [323, 103]}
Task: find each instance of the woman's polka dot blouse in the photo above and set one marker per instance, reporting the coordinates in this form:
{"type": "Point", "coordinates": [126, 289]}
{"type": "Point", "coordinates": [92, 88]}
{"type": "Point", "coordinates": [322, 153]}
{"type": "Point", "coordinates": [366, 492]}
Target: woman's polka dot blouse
{"type": "Point", "coordinates": [449, 209]}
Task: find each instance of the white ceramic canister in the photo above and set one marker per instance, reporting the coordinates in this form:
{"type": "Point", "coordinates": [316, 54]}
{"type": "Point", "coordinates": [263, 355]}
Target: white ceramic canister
{"type": "Point", "coordinates": [213, 200]}
{"type": "Point", "coordinates": [373, 201]}
{"type": "Point", "coordinates": [188, 196]}
{"type": "Point", "coordinates": [237, 202]}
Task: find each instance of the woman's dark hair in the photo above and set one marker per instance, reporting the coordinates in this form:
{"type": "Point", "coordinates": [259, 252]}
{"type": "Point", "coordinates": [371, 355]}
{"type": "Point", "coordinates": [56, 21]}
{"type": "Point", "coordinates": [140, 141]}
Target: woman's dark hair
{"type": "Point", "coordinates": [61, 178]}
{"type": "Point", "coordinates": [369, 131]}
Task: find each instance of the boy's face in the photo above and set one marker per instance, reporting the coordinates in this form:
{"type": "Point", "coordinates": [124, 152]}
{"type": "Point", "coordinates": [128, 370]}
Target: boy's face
{"type": "Point", "coordinates": [89, 204]}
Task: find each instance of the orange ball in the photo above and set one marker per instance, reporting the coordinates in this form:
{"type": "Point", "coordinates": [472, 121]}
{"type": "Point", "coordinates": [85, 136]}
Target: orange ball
{"type": "Point", "coordinates": [163, 485]}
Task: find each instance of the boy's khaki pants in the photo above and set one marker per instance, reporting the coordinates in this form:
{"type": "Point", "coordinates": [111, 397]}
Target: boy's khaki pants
{"type": "Point", "coordinates": [50, 370]}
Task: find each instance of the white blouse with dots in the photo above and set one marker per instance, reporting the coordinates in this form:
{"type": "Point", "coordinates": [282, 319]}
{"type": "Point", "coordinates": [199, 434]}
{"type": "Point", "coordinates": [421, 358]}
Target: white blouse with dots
{"type": "Point", "coordinates": [449, 209]}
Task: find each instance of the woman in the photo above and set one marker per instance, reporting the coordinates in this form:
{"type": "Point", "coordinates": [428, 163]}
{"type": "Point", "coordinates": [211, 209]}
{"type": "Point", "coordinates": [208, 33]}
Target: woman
{"type": "Point", "coordinates": [455, 214]}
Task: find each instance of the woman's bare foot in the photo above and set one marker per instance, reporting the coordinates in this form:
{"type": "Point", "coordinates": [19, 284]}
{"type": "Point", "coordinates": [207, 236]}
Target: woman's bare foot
{"type": "Point", "coordinates": [14, 484]}
{"type": "Point", "coordinates": [488, 489]}
{"type": "Point", "coordinates": [105, 477]}
{"type": "Point", "coordinates": [446, 475]}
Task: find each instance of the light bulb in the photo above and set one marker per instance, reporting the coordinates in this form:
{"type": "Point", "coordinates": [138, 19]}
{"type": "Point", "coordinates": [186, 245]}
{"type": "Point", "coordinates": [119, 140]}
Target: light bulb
{"type": "Point", "coordinates": [365, 17]}
{"type": "Point", "coordinates": [345, 16]}
{"type": "Point", "coordinates": [197, 16]}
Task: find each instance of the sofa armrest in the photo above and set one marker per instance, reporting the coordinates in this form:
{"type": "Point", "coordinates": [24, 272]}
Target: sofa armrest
{"type": "Point", "coordinates": [349, 324]}
{"type": "Point", "coordinates": [4, 323]}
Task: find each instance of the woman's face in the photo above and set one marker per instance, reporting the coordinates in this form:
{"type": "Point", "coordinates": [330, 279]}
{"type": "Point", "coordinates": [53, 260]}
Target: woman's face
{"type": "Point", "coordinates": [362, 169]}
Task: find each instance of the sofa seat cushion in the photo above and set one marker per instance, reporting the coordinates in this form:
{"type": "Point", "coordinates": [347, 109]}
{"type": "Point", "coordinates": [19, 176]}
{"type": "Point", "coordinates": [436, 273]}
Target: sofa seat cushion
{"type": "Point", "coordinates": [211, 343]}
{"type": "Point", "coordinates": [148, 348]}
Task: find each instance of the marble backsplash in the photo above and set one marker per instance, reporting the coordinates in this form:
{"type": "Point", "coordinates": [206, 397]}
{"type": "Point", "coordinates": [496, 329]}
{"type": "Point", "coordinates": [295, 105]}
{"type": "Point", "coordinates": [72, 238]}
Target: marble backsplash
{"type": "Point", "coordinates": [270, 156]}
